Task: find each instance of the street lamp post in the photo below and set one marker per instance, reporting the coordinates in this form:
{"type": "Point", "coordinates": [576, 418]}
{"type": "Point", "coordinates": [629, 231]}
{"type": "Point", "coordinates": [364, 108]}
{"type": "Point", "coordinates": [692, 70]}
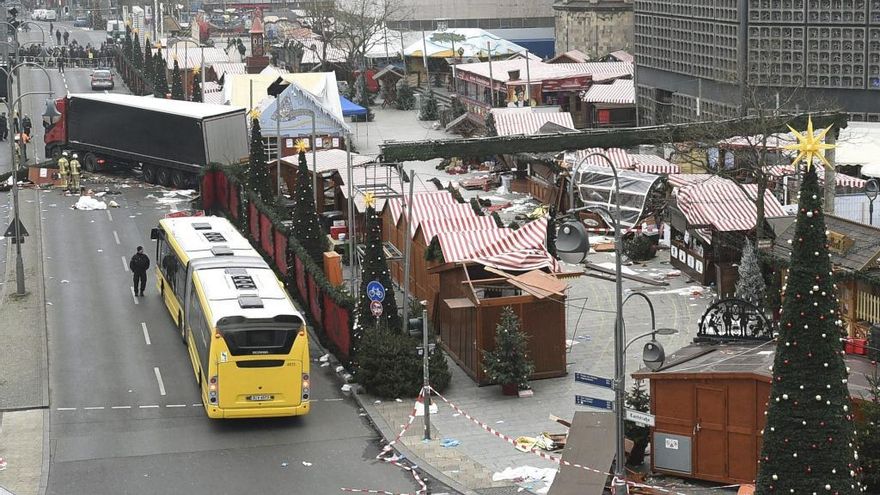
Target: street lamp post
{"type": "Point", "coordinates": [175, 41]}
{"type": "Point", "coordinates": [10, 104]}
{"type": "Point", "coordinates": [311, 113]}
{"type": "Point", "coordinates": [872, 188]}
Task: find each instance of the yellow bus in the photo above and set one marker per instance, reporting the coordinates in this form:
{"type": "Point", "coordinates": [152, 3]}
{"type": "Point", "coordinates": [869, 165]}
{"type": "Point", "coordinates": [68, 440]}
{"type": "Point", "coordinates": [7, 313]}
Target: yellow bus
{"type": "Point", "coordinates": [247, 342]}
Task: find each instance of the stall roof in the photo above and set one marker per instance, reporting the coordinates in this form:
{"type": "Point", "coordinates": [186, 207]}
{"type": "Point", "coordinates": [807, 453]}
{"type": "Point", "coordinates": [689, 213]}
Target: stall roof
{"type": "Point", "coordinates": [541, 71]}
{"type": "Point", "coordinates": [332, 160]}
{"type": "Point", "coordinates": [350, 108]}
{"type": "Point", "coordinates": [223, 68]}
{"type": "Point", "coordinates": [370, 177]}
{"type": "Point", "coordinates": [618, 92]}
{"type": "Point", "coordinates": [571, 56]}
{"type": "Point", "coordinates": [528, 122]}
{"type": "Point", "coordinates": [595, 184]}
{"type": "Point", "coordinates": [189, 57]}
{"type": "Point", "coordinates": [753, 358]}
{"type": "Point", "coordinates": [295, 97]}
{"type": "Point", "coordinates": [470, 42]}
{"type": "Point", "coordinates": [842, 180]}
{"type": "Point", "coordinates": [857, 248]}
{"type": "Point", "coordinates": [722, 204]}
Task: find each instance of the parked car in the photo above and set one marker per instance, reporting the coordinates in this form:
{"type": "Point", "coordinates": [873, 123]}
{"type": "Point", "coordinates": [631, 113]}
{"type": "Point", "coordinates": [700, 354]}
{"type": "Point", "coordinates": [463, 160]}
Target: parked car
{"type": "Point", "coordinates": [49, 15]}
{"type": "Point", "coordinates": [102, 79]}
{"type": "Point", "coordinates": [81, 22]}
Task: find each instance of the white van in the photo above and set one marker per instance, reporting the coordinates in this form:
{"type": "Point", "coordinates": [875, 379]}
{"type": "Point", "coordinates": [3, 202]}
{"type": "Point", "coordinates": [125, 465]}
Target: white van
{"type": "Point", "coordinates": [50, 15]}
{"type": "Point", "coordinates": [38, 14]}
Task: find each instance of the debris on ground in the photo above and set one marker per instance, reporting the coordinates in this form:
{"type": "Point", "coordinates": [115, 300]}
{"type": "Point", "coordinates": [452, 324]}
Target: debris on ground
{"type": "Point", "coordinates": [88, 203]}
{"type": "Point", "coordinates": [449, 443]}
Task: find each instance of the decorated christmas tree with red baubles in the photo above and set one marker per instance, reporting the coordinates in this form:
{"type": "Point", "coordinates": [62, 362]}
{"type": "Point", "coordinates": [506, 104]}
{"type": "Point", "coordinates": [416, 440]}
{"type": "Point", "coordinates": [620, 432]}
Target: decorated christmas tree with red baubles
{"type": "Point", "coordinates": [809, 438]}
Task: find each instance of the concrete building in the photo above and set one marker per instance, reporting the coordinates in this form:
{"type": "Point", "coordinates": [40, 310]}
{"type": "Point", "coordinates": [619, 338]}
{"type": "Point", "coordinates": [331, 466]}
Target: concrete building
{"type": "Point", "coordinates": [705, 60]}
{"type": "Point", "coordinates": [528, 23]}
{"type": "Point", "coordinates": [595, 27]}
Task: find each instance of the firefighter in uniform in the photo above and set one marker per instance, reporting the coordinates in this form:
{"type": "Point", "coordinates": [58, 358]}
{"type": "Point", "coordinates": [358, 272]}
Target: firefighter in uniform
{"type": "Point", "coordinates": [74, 175]}
{"type": "Point", "coordinates": [63, 170]}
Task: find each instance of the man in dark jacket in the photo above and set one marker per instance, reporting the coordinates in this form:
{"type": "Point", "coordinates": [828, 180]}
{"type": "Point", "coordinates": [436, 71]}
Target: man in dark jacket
{"type": "Point", "coordinates": [139, 264]}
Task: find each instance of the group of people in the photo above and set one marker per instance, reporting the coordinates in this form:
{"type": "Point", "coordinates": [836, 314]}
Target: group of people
{"type": "Point", "coordinates": [70, 54]}
{"type": "Point", "coordinates": [23, 125]}
{"type": "Point", "coordinates": [68, 172]}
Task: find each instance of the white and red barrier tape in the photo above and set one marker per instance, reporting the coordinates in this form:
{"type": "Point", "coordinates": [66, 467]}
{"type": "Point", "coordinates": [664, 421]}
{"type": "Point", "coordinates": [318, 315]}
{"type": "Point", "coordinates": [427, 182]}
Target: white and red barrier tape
{"type": "Point", "coordinates": [538, 452]}
{"type": "Point", "coordinates": [388, 449]}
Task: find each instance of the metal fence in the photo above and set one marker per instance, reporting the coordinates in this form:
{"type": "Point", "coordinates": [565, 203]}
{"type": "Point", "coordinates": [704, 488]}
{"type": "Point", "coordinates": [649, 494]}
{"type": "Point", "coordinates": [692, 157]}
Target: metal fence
{"type": "Point", "coordinates": [856, 207]}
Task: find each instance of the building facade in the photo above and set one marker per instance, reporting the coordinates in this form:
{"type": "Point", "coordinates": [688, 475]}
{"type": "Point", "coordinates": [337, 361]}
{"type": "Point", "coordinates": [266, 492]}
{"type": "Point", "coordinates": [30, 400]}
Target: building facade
{"type": "Point", "coordinates": [714, 59]}
{"type": "Point", "coordinates": [595, 27]}
{"type": "Point", "coordinates": [528, 23]}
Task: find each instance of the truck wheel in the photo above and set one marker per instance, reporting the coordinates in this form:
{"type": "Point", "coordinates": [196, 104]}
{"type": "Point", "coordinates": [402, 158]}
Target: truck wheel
{"type": "Point", "coordinates": [178, 179]}
{"type": "Point", "coordinates": [90, 162]}
{"type": "Point", "coordinates": [55, 153]}
{"type": "Point", "coordinates": [163, 177]}
{"type": "Point", "coordinates": [149, 172]}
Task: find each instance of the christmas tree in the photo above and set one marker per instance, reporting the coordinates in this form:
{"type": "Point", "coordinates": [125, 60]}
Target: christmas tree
{"type": "Point", "coordinates": [306, 226]}
{"type": "Point", "coordinates": [374, 266]}
{"type": "Point", "coordinates": [137, 55]}
{"type": "Point", "coordinates": [750, 286]}
{"type": "Point", "coordinates": [406, 99]}
{"type": "Point", "coordinates": [148, 62]}
{"type": "Point", "coordinates": [126, 43]}
{"type": "Point", "coordinates": [160, 80]}
{"type": "Point", "coordinates": [808, 436]}
{"type": "Point", "coordinates": [508, 363]}
{"type": "Point", "coordinates": [196, 89]}
{"type": "Point", "coordinates": [869, 434]}
{"type": "Point", "coordinates": [258, 171]}
{"type": "Point", "coordinates": [177, 83]}
{"type": "Point", "coordinates": [637, 399]}
{"type": "Point", "coordinates": [491, 130]}
{"type": "Point", "coordinates": [458, 109]}
{"type": "Point", "coordinates": [429, 110]}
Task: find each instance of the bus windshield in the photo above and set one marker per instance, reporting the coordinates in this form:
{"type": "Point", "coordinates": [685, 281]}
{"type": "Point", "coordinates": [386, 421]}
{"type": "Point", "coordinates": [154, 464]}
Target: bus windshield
{"type": "Point", "coordinates": [259, 336]}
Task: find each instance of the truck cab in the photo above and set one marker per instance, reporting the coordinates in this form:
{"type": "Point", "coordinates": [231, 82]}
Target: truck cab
{"type": "Point", "coordinates": [55, 136]}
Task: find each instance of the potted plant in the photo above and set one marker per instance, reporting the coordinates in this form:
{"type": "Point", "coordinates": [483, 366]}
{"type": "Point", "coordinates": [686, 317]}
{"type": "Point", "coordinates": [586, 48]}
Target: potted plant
{"type": "Point", "coordinates": [508, 364]}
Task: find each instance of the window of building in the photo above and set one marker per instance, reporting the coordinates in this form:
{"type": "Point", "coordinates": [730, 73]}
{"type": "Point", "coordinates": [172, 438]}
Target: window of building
{"type": "Point", "coordinates": [270, 145]}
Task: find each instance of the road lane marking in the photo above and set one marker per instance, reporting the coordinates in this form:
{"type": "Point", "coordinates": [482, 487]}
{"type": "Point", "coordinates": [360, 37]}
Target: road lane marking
{"type": "Point", "coordinates": [153, 406]}
{"type": "Point", "coordinates": [146, 333]}
{"type": "Point", "coordinates": [175, 405]}
{"type": "Point", "coordinates": [116, 237]}
{"type": "Point", "coordinates": [332, 400]}
{"type": "Point", "coordinates": [159, 379]}
{"type": "Point", "coordinates": [94, 408]}
{"type": "Point", "coordinates": [133, 296]}
{"type": "Point", "coordinates": [124, 264]}
{"type": "Point", "coordinates": [66, 409]}
{"type": "Point", "coordinates": [121, 407]}
{"type": "Point", "coordinates": [109, 215]}
{"type": "Point", "coordinates": [197, 405]}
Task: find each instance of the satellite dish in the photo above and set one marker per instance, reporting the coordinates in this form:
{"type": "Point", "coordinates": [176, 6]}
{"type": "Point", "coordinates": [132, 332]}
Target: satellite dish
{"type": "Point", "coordinates": [653, 355]}
{"type": "Point", "coordinates": [572, 242]}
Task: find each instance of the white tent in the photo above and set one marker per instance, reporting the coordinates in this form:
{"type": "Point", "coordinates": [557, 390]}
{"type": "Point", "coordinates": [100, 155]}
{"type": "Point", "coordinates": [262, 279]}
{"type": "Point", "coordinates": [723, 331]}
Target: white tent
{"type": "Point", "coordinates": [467, 42]}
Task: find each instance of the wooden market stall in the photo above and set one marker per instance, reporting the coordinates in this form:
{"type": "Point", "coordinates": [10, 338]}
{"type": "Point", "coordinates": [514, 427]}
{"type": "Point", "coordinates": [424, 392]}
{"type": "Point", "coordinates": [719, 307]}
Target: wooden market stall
{"type": "Point", "coordinates": [710, 216]}
{"type": "Point", "coordinates": [855, 257]}
{"type": "Point", "coordinates": [709, 403]}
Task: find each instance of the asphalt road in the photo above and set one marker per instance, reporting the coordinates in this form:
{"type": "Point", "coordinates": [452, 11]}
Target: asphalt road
{"type": "Point", "coordinates": [125, 414]}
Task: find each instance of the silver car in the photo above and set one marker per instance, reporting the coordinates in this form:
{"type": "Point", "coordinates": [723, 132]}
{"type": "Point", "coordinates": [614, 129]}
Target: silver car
{"type": "Point", "coordinates": [102, 79]}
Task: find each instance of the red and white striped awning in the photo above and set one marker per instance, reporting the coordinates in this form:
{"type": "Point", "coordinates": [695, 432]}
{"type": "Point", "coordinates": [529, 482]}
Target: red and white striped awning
{"type": "Point", "coordinates": [619, 92]}
{"type": "Point", "coordinates": [682, 180]}
{"type": "Point", "coordinates": [433, 226]}
{"type": "Point", "coordinates": [722, 204]}
{"type": "Point", "coordinates": [619, 157]}
{"type": "Point", "coordinates": [842, 180]}
{"type": "Point", "coordinates": [509, 123]}
{"type": "Point", "coordinates": [424, 201]}
{"type": "Point", "coordinates": [523, 249]}
{"type": "Point", "coordinates": [653, 164]}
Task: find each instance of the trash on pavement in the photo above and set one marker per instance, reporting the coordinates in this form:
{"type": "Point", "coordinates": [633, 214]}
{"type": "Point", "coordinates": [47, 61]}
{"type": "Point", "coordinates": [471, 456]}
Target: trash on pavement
{"type": "Point", "coordinates": [346, 388]}
{"type": "Point", "coordinates": [449, 443]}
{"type": "Point", "coordinates": [113, 204]}
{"type": "Point", "coordinates": [324, 358]}
{"type": "Point", "coordinates": [284, 464]}
{"type": "Point", "coordinates": [526, 474]}
{"type": "Point", "coordinates": [324, 365]}
{"type": "Point", "coordinates": [306, 463]}
{"type": "Point", "coordinates": [88, 203]}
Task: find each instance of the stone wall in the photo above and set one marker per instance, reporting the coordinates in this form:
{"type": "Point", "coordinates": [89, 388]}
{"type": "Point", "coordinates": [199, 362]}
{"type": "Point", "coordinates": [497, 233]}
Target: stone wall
{"type": "Point", "coordinates": [595, 27]}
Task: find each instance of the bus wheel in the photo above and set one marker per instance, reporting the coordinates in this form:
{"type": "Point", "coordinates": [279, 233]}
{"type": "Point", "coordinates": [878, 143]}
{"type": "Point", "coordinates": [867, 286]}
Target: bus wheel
{"type": "Point", "coordinates": [149, 172]}
{"type": "Point", "coordinates": [178, 180]}
{"type": "Point", "coordinates": [181, 327]}
{"type": "Point", "coordinates": [163, 177]}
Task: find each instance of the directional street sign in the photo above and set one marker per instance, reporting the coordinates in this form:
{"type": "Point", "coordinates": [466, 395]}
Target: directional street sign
{"type": "Point", "coordinates": [375, 291]}
{"type": "Point", "coordinates": [376, 308]}
{"type": "Point", "coordinates": [640, 417]}
{"type": "Point", "coordinates": [10, 231]}
{"type": "Point", "coordinates": [583, 400]}
{"type": "Point", "coordinates": [594, 380]}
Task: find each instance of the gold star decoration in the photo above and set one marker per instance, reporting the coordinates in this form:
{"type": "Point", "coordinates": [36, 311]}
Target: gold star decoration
{"type": "Point", "coordinates": [810, 145]}
{"type": "Point", "coordinates": [369, 199]}
{"type": "Point", "coordinates": [301, 146]}
{"type": "Point", "coordinates": [196, 71]}
{"type": "Point", "coordinates": [254, 114]}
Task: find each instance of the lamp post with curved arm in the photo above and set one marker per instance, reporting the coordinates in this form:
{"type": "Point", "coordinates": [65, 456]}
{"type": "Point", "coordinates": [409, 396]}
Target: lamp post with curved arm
{"type": "Point", "coordinates": [174, 41]}
{"type": "Point", "coordinates": [10, 103]}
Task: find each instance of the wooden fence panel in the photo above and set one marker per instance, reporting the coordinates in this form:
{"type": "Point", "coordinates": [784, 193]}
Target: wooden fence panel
{"type": "Point", "coordinates": [336, 326]}
{"type": "Point", "coordinates": [254, 221]}
{"type": "Point", "coordinates": [221, 189]}
{"type": "Point", "coordinates": [234, 200]}
{"type": "Point", "coordinates": [281, 252]}
{"type": "Point", "coordinates": [266, 234]}
{"type": "Point", "coordinates": [314, 299]}
{"type": "Point", "coordinates": [208, 189]}
{"type": "Point", "coordinates": [301, 281]}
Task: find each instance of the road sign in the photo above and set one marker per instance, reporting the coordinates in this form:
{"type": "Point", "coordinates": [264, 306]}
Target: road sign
{"type": "Point", "coordinates": [640, 417]}
{"type": "Point", "coordinates": [10, 231]}
{"type": "Point", "coordinates": [594, 380]}
{"type": "Point", "coordinates": [375, 291]}
{"type": "Point", "coordinates": [376, 308]}
{"type": "Point", "coordinates": [583, 400]}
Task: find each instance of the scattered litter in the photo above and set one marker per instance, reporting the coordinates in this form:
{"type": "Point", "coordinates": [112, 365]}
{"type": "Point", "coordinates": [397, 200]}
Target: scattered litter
{"type": "Point", "coordinates": [65, 281]}
{"type": "Point", "coordinates": [346, 388]}
{"type": "Point", "coordinates": [324, 358]}
{"type": "Point", "coordinates": [324, 365]}
{"type": "Point", "coordinates": [526, 474]}
{"type": "Point", "coordinates": [49, 304]}
{"type": "Point", "coordinates": [398, 400]}
{"type": "Point", "coordinates": [3, 464]}
{"type": "Point", "coordinates": [340, 369]}
{"type": "Point", "coordinates": [456, 415]}
{"type": "Point", "coordinates": [569, 343]}
{"type": "Point", "coordinates": [610, 266]}
{"type": "Point", "coordinates": [87, 203]}
{"type": "Point", "coordinates": [362, 414]}
{"type": "Point", "coordinates": [113, 204]}
{"type": "Point", "coordinates": [377, 402]}
{"type": "Point", "coordinates": [584, 337]}
{"type": "Point", "coordinates": [673, 273]}
{"type": "Point", "coordinates": [100, 194]}
{"type": "Point", "coordinates": [306, 463]}
{"type": "Point", "coordinates": [100, 250]}
{"type": "Point", "coordinates": [500, 421]}
{"type": "Point", "coordinates": [449, 443]}
{"type": "Point", "coordinates": [284, 464]}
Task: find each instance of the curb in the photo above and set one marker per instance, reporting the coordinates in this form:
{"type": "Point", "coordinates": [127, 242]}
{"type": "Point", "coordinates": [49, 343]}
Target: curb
{"type": "Point", "coordinates": [386, 430]}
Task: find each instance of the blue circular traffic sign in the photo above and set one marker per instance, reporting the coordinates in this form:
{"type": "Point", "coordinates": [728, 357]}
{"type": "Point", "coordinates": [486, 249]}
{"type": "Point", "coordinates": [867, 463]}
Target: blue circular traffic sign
{"type": "Point", "coordinates": [375, 291]}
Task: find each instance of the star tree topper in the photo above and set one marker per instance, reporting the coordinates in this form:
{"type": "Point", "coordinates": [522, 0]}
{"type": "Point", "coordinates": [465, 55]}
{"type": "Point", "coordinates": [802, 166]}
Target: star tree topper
{"type": "Point", "coordinates": [810, 145]}
{"type": "Point", "coordinates": [301, 146]}
{"type": "Point", "coordinates": [369, 199]}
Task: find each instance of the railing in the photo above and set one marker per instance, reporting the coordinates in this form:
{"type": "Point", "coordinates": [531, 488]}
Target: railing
{"type": "Point", "coordinates": [868, 307]}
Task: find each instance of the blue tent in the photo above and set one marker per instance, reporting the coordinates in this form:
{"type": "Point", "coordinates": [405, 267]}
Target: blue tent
{"type": "Point", "coordinates": [350, 108]}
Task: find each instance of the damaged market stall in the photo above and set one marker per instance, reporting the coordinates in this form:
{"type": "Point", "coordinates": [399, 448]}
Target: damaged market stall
{"type": "Point", "coordinates": [594, 184]}
{"type": "Point", "coordinates": [710, 216]}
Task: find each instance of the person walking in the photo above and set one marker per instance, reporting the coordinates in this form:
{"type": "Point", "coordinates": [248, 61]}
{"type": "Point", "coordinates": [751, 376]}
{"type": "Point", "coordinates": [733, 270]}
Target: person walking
{"type": "Point", "coordinates": [66, 37]}
{"type": "Point", "coordinates": [58, 36]}
{"type": "Point", "coordinates": [16, 128]}
{"type": "Point", "coordinates": [74, 175]}
{"type": "Point", "coordinates": [26, 125]}
{"type": "Point", "coordinates": [63, 170]}
{"type": "Point", "coordinates": [61, 64]}
{"type": "Point", "coordinates": [51, 26]}
{"type": "Point", "coordinates": [139, 264]}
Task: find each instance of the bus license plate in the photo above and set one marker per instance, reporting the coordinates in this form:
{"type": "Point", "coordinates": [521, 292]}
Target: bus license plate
{"type": "Point", "coordinates": [260, 397]}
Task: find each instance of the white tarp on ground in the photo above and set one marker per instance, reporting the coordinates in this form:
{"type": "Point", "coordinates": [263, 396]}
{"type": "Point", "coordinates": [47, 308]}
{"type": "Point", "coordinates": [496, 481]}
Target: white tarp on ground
{"type": "Point", "coordinates": [89, 203]}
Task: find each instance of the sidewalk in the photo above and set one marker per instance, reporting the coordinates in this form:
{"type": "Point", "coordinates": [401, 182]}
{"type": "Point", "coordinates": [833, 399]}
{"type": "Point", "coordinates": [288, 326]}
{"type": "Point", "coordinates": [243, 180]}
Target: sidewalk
{"type": "Point", "coordinates": [24, 380]}
{"type": "Point", "coordinates": [469, 466]}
